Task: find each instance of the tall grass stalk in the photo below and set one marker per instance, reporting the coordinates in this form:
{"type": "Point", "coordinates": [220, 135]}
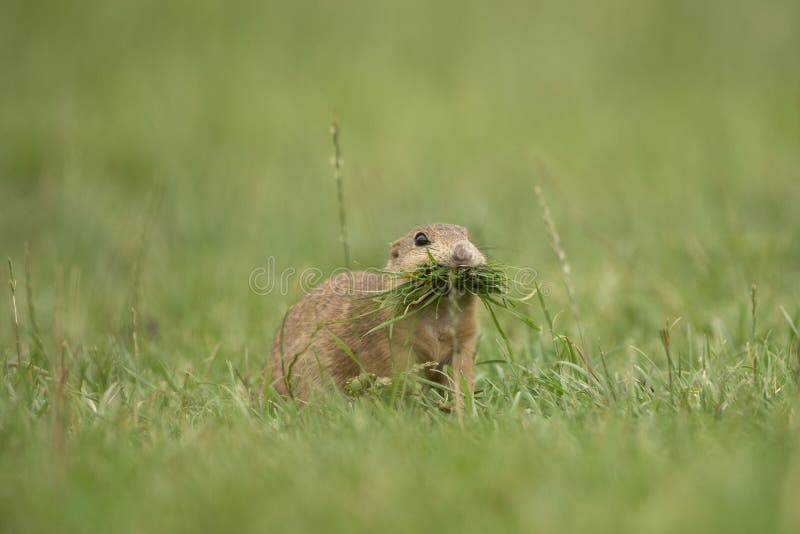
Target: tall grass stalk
{"type": "Point", "coordinates": [12, 282]}
{"type": "Point", "coordinates": [134, 333]}
{"type": "Point", "coordinates": [665, 341]}
{"type": "Point", "coordinates": [336, 162]}
{"type": "Point", "coordinates": [59, 419]}
{"type": "Point", "coordinates": [34, 332]}
{"type": "Point", "coordinates": [561, 255]}
{"type": "Point", "coordinates": [753, 307]}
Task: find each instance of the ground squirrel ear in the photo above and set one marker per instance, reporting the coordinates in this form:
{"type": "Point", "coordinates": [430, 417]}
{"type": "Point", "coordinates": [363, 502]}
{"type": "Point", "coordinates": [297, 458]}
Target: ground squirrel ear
{"type": "Point", "coordinates": [395, 250]}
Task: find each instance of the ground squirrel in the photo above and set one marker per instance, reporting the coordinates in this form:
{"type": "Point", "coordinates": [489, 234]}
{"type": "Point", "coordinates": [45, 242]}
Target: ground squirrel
{"type": "Point", "coordinates": [307, 349]}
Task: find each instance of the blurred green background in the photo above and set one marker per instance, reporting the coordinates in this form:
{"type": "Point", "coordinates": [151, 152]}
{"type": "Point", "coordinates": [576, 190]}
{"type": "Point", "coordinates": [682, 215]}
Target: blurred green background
{"type": "Point", "coordinates": [155, 153]}
{"type": "Point", "coordinates": [666, 137]}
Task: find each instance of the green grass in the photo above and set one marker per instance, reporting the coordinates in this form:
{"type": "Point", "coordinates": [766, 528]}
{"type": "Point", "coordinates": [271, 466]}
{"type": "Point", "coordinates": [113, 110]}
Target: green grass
{"type": "Point", "coordinates": [153, 155]}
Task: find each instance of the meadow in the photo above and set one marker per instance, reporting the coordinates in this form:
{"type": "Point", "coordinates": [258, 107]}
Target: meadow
{"type": "Point", "coordinates": [153, 156]}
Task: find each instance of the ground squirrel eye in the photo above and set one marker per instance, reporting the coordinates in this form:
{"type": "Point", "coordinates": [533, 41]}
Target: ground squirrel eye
{"type": "Point", "coordinates": [421, 240]}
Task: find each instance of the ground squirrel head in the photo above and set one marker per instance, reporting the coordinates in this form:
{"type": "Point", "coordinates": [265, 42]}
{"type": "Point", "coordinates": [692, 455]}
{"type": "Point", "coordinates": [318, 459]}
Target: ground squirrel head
{"type": "Point", "coordinates": [449, 245]}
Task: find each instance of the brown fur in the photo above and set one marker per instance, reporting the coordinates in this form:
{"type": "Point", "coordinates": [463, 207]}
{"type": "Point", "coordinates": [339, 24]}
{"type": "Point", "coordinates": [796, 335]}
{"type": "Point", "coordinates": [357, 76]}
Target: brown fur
{"type": "Point", "coordinates": [306, 353]}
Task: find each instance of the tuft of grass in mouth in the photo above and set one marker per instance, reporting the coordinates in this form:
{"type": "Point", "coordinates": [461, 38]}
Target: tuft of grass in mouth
{"type": "Point", "coordinates": [430, 283]}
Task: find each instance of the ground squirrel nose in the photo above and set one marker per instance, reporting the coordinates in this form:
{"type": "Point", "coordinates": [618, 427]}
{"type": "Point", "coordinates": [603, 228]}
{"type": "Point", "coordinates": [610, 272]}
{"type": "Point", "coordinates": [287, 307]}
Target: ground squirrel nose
{"type": "Point", "coordinates": [462, 253]}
